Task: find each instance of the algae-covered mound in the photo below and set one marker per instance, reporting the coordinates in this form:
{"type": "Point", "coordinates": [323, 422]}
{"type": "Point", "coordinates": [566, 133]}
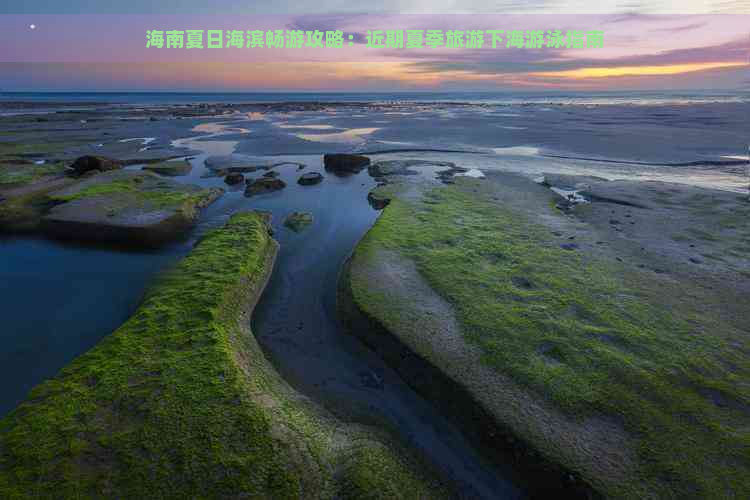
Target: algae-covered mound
{"type": "Point", "coordinates": [23, 193]}
{"type": "Point", "coordinates": [14, 175]}
{"type": "Point", "coordinates": [179, 402]}
{"type": "Point", "coordinates": [560, 340]}
{"type": "Point", "coordinates": [126, 206]}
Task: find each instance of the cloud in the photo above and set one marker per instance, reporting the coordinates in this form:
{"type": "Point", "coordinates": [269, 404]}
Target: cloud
{"type": "Point", "coordinates": [675, 29]}
{"type": "Point", "coordinates": [520, 60]}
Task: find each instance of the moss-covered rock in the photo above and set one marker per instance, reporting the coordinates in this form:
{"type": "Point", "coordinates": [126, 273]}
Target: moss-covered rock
{"type": "Point", "coordinates": [263, 185]}
{"type": "Point", "coordinates": [137, 208]}
{"type": "Point", "coordinates": [14, 175]}
{"type": "Point", "coordinates": [179, 402]}
{"type": "Point", "coordinates": [629, 380]}
{"type": "Point", "coordinates": [298, 221]}
{"type": "Point", "coordinates": [24, 189]}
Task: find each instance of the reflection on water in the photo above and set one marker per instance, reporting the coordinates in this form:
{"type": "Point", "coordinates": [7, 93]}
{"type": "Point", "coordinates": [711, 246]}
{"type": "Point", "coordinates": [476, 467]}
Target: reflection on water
{"type": "Point", "coordinates": [351, 136]}
{"type": "Point", "coordinates": [517, 151]}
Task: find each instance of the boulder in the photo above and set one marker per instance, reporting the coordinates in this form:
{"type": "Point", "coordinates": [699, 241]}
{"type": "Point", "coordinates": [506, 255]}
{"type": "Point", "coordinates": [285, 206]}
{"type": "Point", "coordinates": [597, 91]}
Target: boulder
{"type": "Point", "coordinates": [377, 201]}
{"type": "Point", "coordinates": [136, 208]}
{"type": "Point", "coordinates": [340, 163]}
{"type": "Point", "coordinates": [88, 163]}
{"type": "Point", "coordinates": [234, 178]}
{"type": "Point", "coordinates": [263, 185]}
{"type": "Point", "coordinates": [310, 178]}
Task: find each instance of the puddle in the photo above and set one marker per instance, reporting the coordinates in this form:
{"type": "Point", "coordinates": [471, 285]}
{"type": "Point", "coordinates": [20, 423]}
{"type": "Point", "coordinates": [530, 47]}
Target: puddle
{"type": "Point", "coordinates": [308, 127]}
{"type": "Point", "coordinates": [351, 136]}
{"type": "Point", "coordinates": [517, 151]}
{"type": "Point", "coordinates": [472, 172]}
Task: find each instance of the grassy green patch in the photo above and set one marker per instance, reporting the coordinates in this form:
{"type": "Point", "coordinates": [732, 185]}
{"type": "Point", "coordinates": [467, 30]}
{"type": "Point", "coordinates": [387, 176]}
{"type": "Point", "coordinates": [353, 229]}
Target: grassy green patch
{"type": "Point", "coordinates": [180, 403]}
{"type": "Point", "coordinates": [16, 175]}
{"type": "Point", "coordinates": [158, 193]}
{"type": "Point", "coordinates": [586, 333]}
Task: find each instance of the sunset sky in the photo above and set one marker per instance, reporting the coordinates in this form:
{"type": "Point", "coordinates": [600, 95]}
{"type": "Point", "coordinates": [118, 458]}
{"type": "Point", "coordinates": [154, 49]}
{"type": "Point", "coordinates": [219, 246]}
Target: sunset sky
{"type": "Point", "coordinates": [98, 45]}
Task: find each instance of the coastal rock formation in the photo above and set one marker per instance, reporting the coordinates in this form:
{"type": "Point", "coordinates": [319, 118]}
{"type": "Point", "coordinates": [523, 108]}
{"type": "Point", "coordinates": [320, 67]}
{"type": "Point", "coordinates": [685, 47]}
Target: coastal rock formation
{"type": "Point", "coordinates": [263, 185]}
{"type": "Point", "coordinates": [130, 207]}
{"type": "Point", "coordinates": [591, 354]}
{"type": "Point", "coordinates": [180, 402]}
{"type": "Point", "coordinates": [86, 164]}
{"type": "Point", "coordinates": [340, 163]}
{"type": "Point", "coordinates": [310, 179]}
{"type": "Point", "coordinates": [387, 168]}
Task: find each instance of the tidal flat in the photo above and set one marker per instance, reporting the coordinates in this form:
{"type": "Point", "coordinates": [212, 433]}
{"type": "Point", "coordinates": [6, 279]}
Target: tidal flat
{"type": "Point", "coordinates": [579, 295]}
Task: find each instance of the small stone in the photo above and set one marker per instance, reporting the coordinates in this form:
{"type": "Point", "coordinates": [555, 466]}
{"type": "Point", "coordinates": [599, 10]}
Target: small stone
{"type": "Point", "coordinates": [298, 221]}
{"type": "Point", "coordinates": [310, 179]}
{"type": "Point", "coordinates": [234, 178]}
{"type": "Point", "coordinates": [263, 185]}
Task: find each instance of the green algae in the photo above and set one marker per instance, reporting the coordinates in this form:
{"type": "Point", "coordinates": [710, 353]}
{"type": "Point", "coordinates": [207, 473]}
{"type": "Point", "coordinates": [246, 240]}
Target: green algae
{"type": "Point", "coordinates": [15, 175]}
{"type": "Point", "coordinates": [586, 333]}
{"type": "Point", "coordinates": [179, 402]}
{"type": "Point", "coordinates": [139, 188]}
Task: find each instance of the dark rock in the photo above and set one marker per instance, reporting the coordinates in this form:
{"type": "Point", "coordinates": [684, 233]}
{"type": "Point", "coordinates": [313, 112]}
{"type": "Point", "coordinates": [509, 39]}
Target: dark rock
{"type": "Point", "coordinates": [345, 163]}
{"type": "Point", "coordinates": [87, 163]}
{"type": "Point", "coordinates": [569, 246]}
{"type": "Point", "coordinates": [378, 202]}
{"type": "Point", "coordinates": [695, 260]}
{"type": "Point", "coordinates": [234, 178]}
{"type": "Point", "coordinates": [271, 173]}
{"type": "Point", "coordinates": [310, 178]}
{"type": "Point", "coordinates": [263, 185]}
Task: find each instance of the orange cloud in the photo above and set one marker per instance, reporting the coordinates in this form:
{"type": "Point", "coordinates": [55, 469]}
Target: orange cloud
{"type": "Point", "coordinates": [614, 71]}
